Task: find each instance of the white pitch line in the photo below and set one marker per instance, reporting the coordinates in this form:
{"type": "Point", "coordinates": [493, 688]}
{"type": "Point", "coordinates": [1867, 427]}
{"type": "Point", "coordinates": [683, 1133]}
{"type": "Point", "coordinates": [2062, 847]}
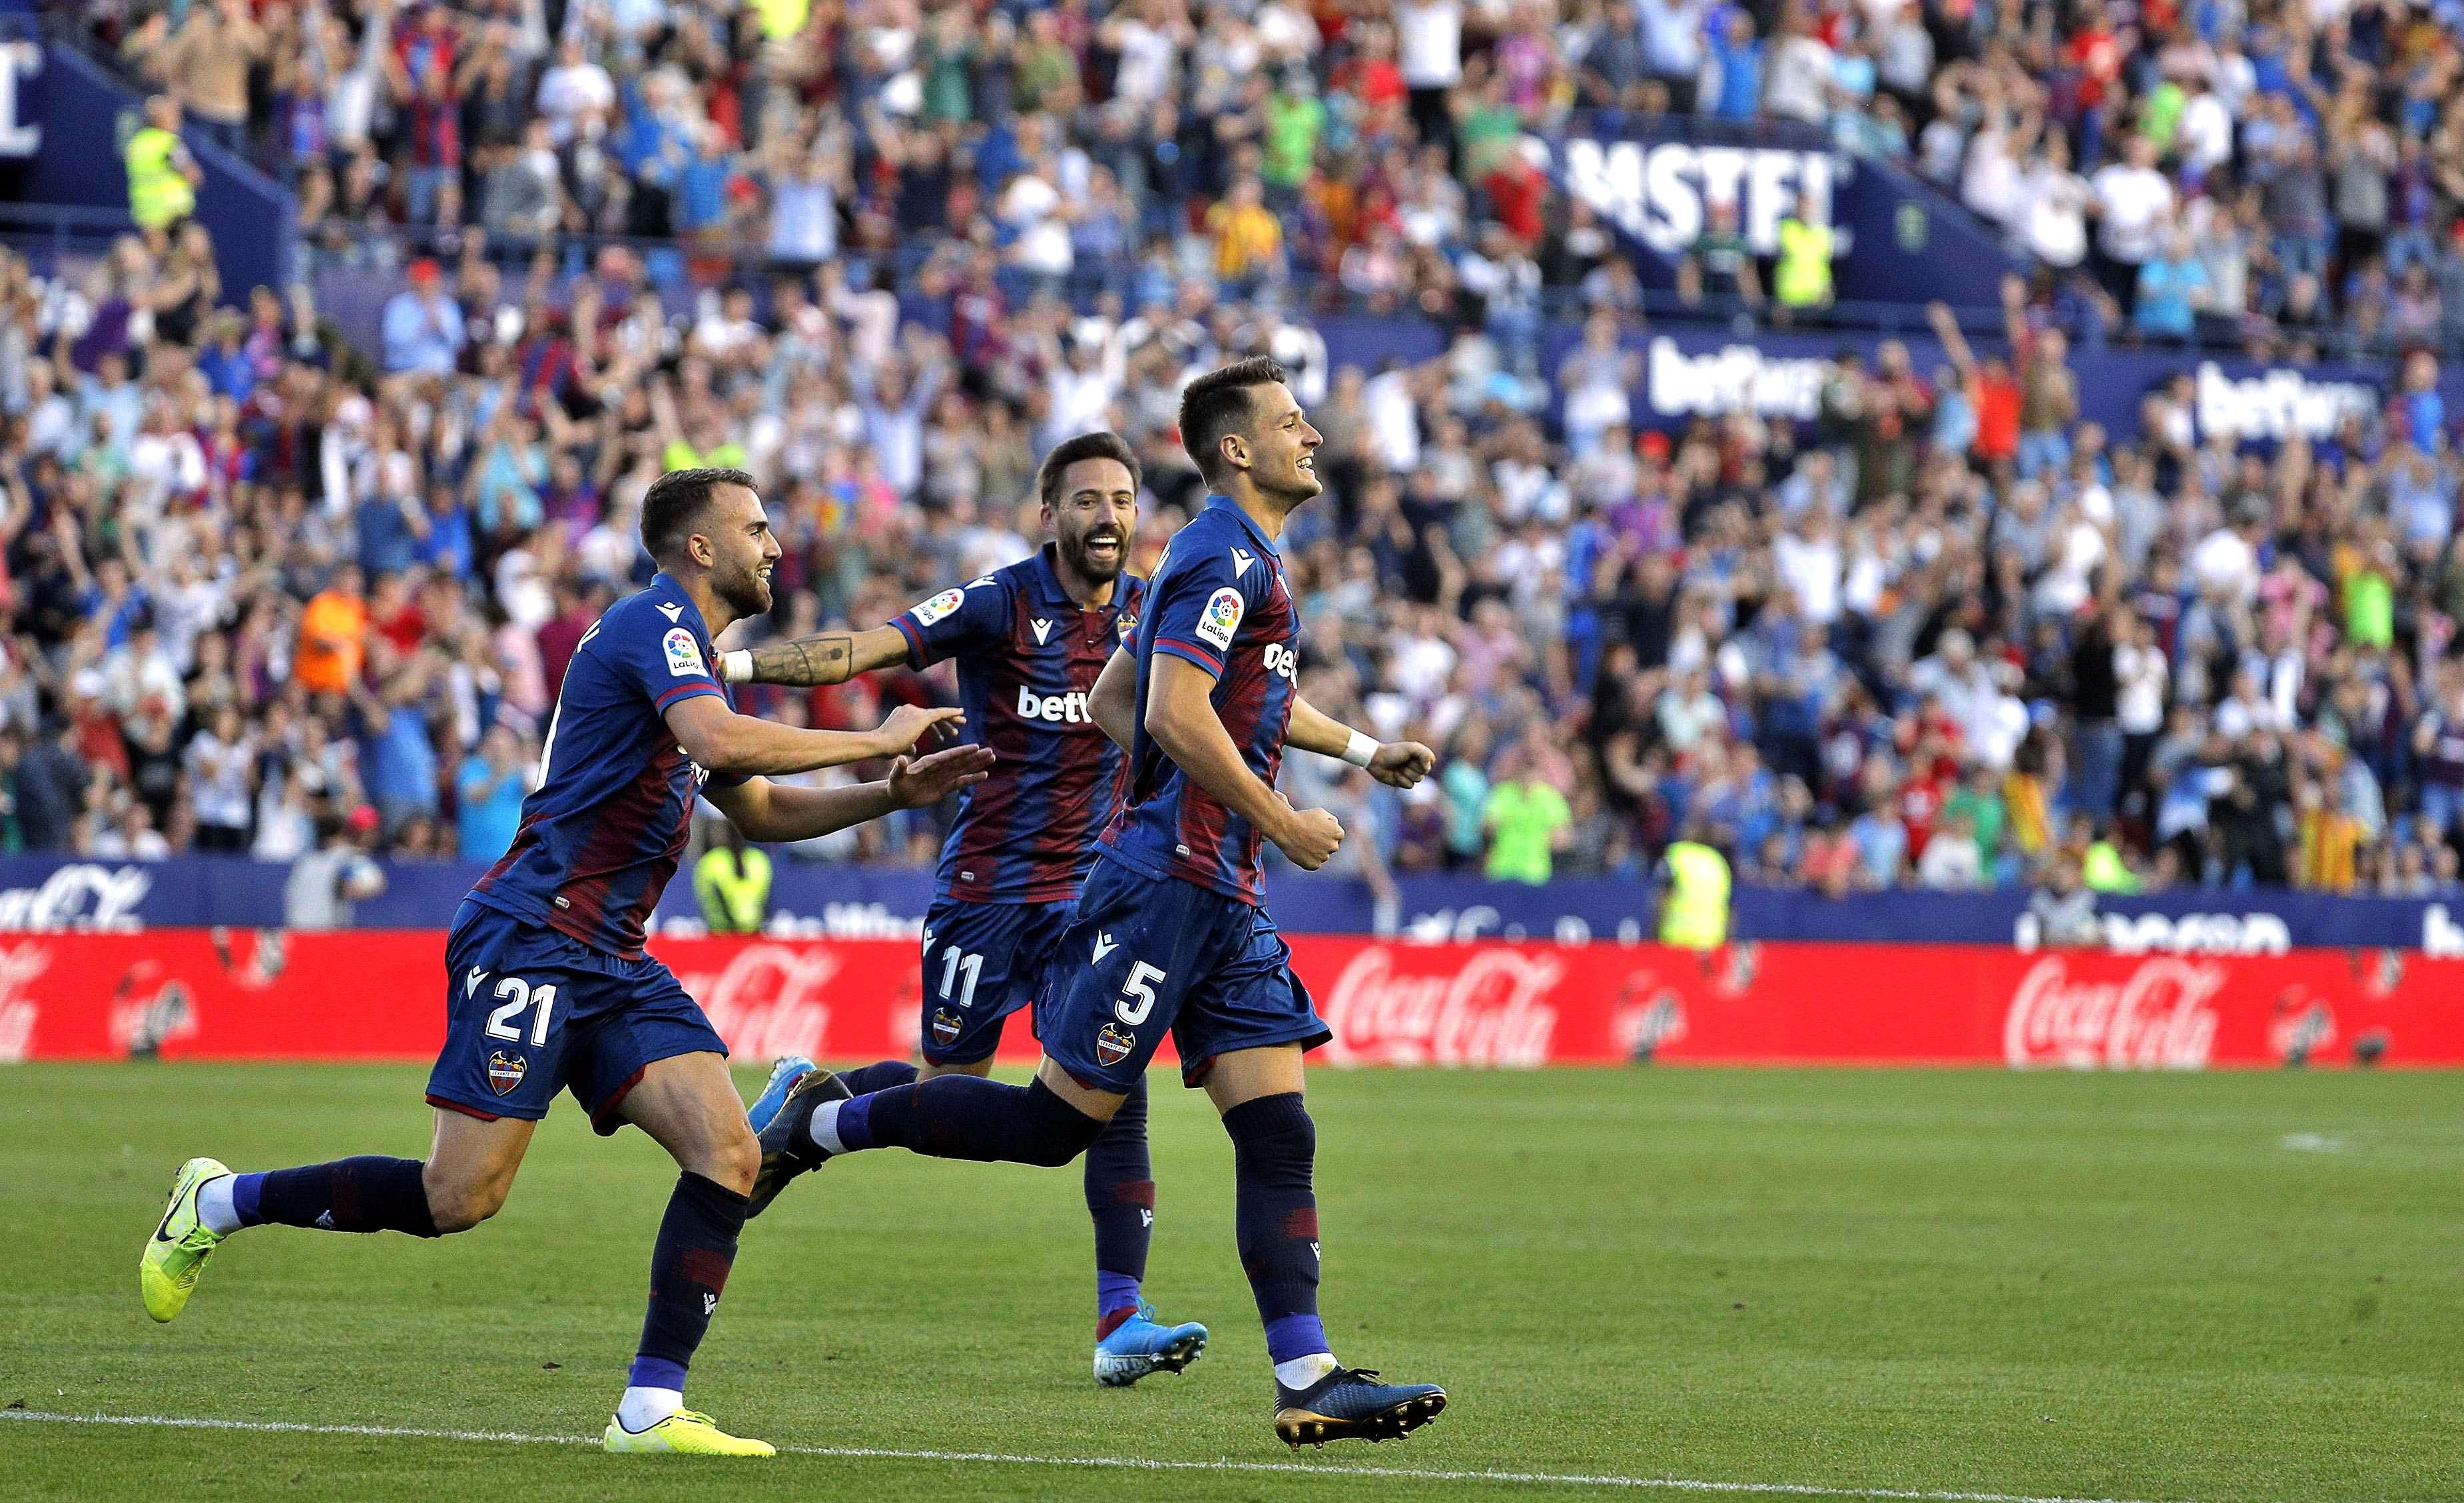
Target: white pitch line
{"type": "Point", "coordinates": [1116, 1463]}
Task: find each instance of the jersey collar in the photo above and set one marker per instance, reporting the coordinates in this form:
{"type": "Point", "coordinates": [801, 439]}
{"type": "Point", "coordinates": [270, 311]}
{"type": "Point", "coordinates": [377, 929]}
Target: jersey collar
{"type": "Point", "coordinates": [1248, 523]}
{"type": "Point", "coordinates": [664, 586]}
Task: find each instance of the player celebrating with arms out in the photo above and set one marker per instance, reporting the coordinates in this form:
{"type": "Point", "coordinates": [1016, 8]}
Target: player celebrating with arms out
{"type": "Point", "coordinates": [1170, 931]}
{"type": "Point", "coordinates": [1030, 641]}
{"type": "Point", "coordinates": [546, 982]}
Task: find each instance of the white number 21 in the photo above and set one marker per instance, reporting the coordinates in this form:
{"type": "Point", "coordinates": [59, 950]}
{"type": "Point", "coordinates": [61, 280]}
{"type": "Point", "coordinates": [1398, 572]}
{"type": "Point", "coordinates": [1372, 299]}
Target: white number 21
{"type": "Point", "coordinates": [500, 1023]}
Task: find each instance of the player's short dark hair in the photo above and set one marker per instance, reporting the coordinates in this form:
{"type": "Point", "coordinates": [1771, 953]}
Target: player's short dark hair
{"type": "Point", "coordinates": [1099, 445]}
{"type": "Point", "coordinates": [1217, 403]}
{"type": "Point", "coordinates": [676, 501]}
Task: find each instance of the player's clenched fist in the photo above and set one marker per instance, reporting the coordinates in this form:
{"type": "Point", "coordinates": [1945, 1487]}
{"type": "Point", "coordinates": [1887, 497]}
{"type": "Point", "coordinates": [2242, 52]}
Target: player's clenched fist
{"type": "Point", "coordinates": [908, 725]}
{"type": "Point", "coordinates": [1401, 765]}
{"type": "Point", "coordinates": [1308, 837]}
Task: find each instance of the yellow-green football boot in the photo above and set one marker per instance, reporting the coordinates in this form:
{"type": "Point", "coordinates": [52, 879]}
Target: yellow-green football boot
{"type": "Point", "coordinates": [683, 1433]}
{"type": "Point", "coordinates": [176, 1254]}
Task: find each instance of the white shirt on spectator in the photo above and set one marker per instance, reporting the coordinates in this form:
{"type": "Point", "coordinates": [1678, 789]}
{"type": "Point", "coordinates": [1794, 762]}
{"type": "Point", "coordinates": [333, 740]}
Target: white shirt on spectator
{"type": "Point", "coordinates": [1950, 862]}
{"type": "Point", "coordinates": [2052, 219]}
{"type": "Point", "coordinates": [565, 92]}
{"type": "Point", "coordinates": [219, 779]}
{"type": "Point", "coordinates": [2141, 672]}
{"type": "Point", "coordinates": [1147, 56]}
{"type": "Point", "coordinates": [1812, 569]}
{"type": "Point", "coordinates": [1430, 38]}
{"type": "Point", "coordinates": [2223, 563]}
{"type": "Point", "coordinates": [1031, 207]}
{"type": "Point", "coordinates": [2133, 205]}
{"type": "Point", "coordinates": [1393, 421]}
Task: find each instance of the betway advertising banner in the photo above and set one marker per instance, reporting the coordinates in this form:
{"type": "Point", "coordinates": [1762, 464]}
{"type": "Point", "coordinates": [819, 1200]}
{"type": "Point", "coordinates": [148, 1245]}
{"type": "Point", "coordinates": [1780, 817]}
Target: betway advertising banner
{"type": "Point", "coordinates": [1695, 372]}
{"type": "Point", "coordinates": [193, 994]}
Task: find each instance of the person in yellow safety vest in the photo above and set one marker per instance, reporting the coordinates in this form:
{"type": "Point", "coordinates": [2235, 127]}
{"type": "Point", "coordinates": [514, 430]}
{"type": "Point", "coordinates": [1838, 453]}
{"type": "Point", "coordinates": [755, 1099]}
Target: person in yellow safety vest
{"type": "Point", "coordinates": [1694, 909]}
{"type": "Point", "coordinates": [1801, 279]}
{"type": "Point", "coordinates": [162, 177]}
{"type": "Point", "coordinates": [733, 881]}
{"type": "Point", "coordinates": [2103, 869]}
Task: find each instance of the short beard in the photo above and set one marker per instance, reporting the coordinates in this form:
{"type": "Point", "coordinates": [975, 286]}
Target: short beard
{"type": "Point", "coordinates": [1087, 568]}
{"type": "Point", "coordinates": [746, 594]}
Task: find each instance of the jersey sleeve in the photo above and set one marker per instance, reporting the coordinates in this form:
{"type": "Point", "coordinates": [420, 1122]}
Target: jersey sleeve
{"type": "Point", "coordinates": [1197, 608]}
{"type": "Point", "coordinates": [663, 659]}
{"type": "Point", "coordinates": [954, 621]}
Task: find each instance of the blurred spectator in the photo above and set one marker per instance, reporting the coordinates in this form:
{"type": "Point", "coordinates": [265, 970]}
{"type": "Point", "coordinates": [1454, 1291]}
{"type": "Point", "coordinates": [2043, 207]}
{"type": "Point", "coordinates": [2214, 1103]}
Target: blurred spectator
{"type": "Point", "coordinates": [326, 884]}
{"type": "Point", "coordinates": [732, 880]}
{"type": "Point", "coordinates": [488, 793]}
{"type": "Point", "coordinates": [1527, 822]}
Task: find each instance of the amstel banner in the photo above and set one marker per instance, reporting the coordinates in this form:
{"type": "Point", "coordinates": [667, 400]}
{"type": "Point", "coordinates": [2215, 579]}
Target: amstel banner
{"type": "Point", "coordinates": [262, 994]}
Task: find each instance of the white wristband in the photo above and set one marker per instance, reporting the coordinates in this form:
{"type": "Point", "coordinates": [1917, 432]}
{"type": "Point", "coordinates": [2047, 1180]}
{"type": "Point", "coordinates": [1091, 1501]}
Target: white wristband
{"type": "Point", "coordinates": [1360, 750]}
{"type": "Point", "coordinates": [737, 666]}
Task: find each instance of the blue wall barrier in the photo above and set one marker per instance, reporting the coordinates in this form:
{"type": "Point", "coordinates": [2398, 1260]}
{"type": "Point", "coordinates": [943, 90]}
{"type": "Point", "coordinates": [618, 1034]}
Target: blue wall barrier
{"type": "Point", "coordinates": [85, 116]}
{"type": "Point", "coordinates": [43, 892]}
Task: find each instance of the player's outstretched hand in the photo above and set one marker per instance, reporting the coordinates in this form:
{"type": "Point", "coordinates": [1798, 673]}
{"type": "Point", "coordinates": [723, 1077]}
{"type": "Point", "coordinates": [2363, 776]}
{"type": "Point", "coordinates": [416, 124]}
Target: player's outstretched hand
{"type": "Point", "coordinates": [929, 780]}
{"type": "Point", "coordinates": [908, 728]}
{"type": "Point", "coordinates": [1308, 837]}
{"type": "Point", "coordinates": [1401, 765]}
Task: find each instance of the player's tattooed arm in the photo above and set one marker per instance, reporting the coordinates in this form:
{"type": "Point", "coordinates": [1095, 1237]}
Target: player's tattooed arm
{"type": "Point", "coordinates": [830, 657]}
{"type": "Point", "coordinates": [1399, 765]}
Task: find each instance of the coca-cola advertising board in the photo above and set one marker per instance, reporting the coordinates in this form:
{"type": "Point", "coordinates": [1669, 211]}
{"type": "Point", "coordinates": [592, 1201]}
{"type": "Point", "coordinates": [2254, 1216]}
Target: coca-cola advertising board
{"type": "Point", "coordinates": [262, 994]}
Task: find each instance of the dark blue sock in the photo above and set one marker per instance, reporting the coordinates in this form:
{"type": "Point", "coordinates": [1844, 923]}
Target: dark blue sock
{"type": "Point", "coordinates": [369, 1194]}
{"type": "Point", "coordinates": [1120, 1198]}
{"type": "Point", "coordinates": [1274, 1149]}
{"type": "Point", "coordinates": [689, 1268]}
{"type": "Point", "coordinates": [879, 1076]}
{"type": "Point", "coordinates": [964, 1117]}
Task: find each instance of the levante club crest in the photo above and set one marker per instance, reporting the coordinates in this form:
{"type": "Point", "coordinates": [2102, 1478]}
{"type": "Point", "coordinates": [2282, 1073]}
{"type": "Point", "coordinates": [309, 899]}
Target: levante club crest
{"type": "Point", "coordinates": [505, 1072]}
{"type": "Point", "coordinates": [1112, 1046]}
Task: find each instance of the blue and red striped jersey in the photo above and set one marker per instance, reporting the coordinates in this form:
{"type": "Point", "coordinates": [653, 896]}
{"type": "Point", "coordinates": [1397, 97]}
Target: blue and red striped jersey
{"type": "Point", "coordinates": [1218, 599]}
{"type": "Point", "coordinates": [1027, 656]}
{"type": "Point", "coordinates": [601, 834]}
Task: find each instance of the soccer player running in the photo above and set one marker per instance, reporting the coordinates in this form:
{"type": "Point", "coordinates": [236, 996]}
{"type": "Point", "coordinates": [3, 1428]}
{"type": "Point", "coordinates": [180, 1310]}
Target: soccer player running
{"type": "Point", "coordinates": [1170, 931]}
{"type": "Point", "coordinates": [546, 982]}
{"type": "Point", "coordinates": [1030, 640]}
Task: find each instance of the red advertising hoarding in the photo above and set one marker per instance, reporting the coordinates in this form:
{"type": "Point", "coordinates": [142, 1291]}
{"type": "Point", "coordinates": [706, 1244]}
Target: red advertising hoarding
{"type": "Point", "coordinates": [201, 994]}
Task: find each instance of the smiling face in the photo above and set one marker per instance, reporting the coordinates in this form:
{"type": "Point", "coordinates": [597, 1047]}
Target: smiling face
{"type": "Point", "coordinates": [1279, 445]}
{"type": "Point", "coordinates": [1095, 518]}
{"type": "Point", "coordinates": [740, 551]}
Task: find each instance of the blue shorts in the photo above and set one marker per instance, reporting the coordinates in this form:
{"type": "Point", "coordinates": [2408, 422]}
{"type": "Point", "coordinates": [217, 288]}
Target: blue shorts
{"type": "Point", "coordinates": [982, 961]}
{"type": "Point", "coordinates": [528, 1011]}
{"type": "Point", "coordinates": [1145, 955]}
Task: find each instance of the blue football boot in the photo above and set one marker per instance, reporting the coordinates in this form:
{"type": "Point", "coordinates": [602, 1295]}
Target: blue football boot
{"type": "Point", "coordinates": [1350, 1404]}
{"type": "Point", "coordinates": [1140, 1345]}
{"type": "Point", "coordinates": [783, 1076]}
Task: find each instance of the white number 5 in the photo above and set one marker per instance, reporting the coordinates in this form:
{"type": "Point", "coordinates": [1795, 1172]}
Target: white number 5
{"type": "Point", "coordinates": [500, 1023]}
{"type": "Point", "coordinates": [1141, 985]}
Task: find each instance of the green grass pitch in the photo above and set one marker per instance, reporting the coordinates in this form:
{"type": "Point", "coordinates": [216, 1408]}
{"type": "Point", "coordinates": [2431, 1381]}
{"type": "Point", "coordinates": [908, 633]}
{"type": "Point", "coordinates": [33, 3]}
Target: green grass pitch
{"type": "Point", "coordinates": [2240, 1287]}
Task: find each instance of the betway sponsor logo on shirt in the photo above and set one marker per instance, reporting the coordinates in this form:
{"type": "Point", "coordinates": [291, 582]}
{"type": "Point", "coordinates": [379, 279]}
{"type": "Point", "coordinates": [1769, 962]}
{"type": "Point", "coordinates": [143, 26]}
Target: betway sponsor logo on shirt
{"type": "Point", "coordinates": [1060, 709]}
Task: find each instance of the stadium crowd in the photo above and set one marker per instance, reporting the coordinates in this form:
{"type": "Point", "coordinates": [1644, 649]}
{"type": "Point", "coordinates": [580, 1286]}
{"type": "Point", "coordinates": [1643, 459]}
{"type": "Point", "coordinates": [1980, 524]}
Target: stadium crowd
{"type": "Point", "coordinates": [262, 582]}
